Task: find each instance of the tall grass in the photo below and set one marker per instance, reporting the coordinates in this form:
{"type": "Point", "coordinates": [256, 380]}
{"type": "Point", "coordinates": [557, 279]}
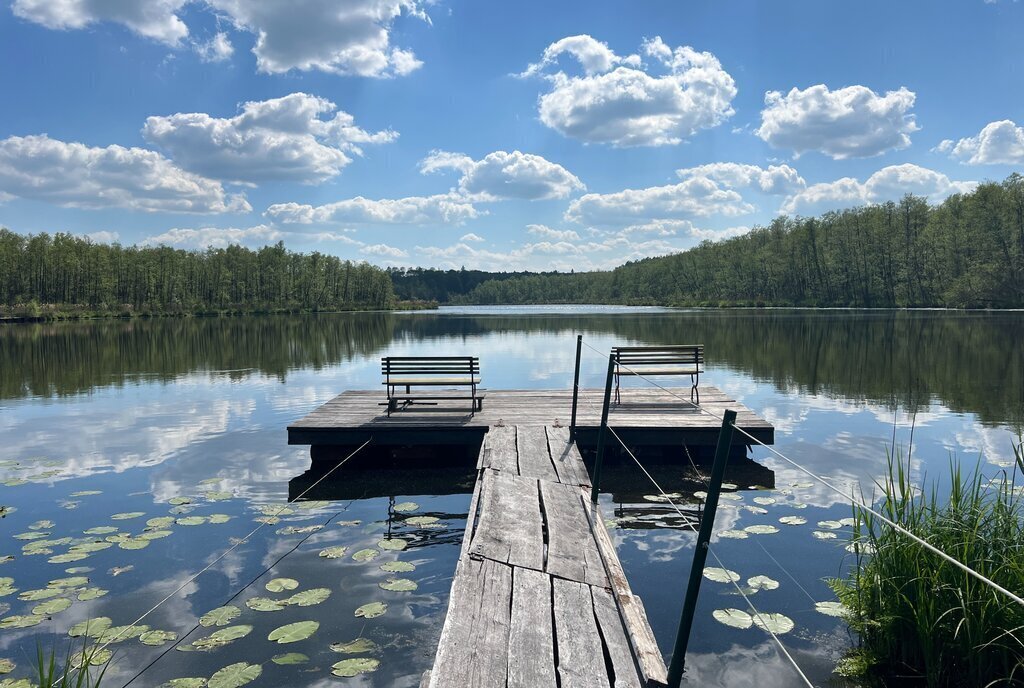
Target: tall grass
{"type": "Point", "coordinates": [920, 619]}
{"type": "Point", "coordinates": [76, 671]}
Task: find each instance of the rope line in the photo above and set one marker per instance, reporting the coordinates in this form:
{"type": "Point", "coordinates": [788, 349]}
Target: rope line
{"type": "Point", "coordinates": [850, 498]}
{"type": "Point", "coordinates": [746, 598]}
{"type": "Point", "coordinates": [226, 552]}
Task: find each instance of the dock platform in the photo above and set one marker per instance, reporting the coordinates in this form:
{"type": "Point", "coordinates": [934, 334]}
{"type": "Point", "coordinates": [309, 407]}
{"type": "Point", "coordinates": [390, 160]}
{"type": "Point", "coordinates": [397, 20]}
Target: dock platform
{"type": "Point", "coordinates": [539, 598]}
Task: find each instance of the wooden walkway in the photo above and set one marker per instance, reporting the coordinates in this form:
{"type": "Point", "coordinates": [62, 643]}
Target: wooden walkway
{"type": "Point", "coordinates": [539, 598]}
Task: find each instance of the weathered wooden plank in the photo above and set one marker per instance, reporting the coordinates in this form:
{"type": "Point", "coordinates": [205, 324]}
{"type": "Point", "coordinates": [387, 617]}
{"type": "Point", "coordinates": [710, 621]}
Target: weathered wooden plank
{"type": "Point", "coordinates": [502, 454]}
{"type": "Point", "coordinates": [638, 628]}
{"type": "Point", "coordinates": [580, 650]}
{"type": "Point", "coordinates": [617, 644]}
{"type": "Point", "coordinates": [473, 648]}
{"type": "Point", "coordinates": [572, 551]}
{"type": "Point", "coordinates": [531, 642]}
{"type": "Point", "coordinates": [510, 529]}
{"type": "Point", "coordinates": [566, 458]}
{"type": "Point", "coordinates": [534, 456]}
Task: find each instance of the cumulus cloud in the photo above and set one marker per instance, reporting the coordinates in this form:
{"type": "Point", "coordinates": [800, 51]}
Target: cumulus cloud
{"type": "Point", "coordinates": [471, 237]}
{"type": "Point", "coordinates": [298, 137]}
{"type": "Point", "coordinates": [383, 251]}
{"type": "Point", "coordinates": [155, 19]}
{"type": "Point", "coordinates": [998, 143]}
{"type": "Point", "coordinates": [887, 184]}
{"type": "Point", "coordinates": [438, 209]}
{"type": "Point", "coordinates": [776, 179]}
{"type": "Point", "coordinates": [851, 122]}
{"type": "Point", "coordinates": [556, 234]}
{"type": "Point", "coordinates": [695, 196]}
{"type": "Point", "coordinates": [623, 102]}
{"type": "Point", "coordinates": [79, 176]}
{"type": "Point", "coordinates": [352, 37]}
{"type": "Point", "coordinates": [502, 175]}
{"type": "Point", "coordinates": [214, 237]}
{"type": "Point", "coordinates": [217, 49]}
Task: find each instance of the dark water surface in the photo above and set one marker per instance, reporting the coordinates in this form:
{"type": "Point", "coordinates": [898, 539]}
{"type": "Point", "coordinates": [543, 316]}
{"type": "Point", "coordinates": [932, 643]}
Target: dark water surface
{"type": "Point", "coordinates": [186, 419]}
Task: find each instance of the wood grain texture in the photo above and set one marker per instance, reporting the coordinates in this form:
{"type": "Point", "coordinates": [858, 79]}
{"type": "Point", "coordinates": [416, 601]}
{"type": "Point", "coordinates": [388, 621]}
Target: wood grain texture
{"type": "Point", "coordinates": [620, 652]}
{"type": "Point", "coordinates": [534, 457]}
{"type": "Point", "coordinates": [500, 447]}
{"type": "Point", "coordinates": [572, 552]}
{"type": "Point", "coordinates": [531, 643]}
{"type": "Point", "coordinates": [580, 650]}
{"type": "Point", "coordinates": [566, 458]}
{"type": "Point", "coordinates": [510, 529]}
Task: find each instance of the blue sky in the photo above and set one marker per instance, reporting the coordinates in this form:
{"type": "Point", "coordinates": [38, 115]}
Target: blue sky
{"type": "Point", "coordinates": [493, 135]}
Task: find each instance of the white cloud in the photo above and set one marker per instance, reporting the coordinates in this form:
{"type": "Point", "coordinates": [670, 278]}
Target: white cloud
{"type": "Point", "coordinates": [298, 137]}
{"type": "Point", "coordinates": [502, 175]}
{"type": "Point", "coordinates": [80, 176]}
{"type": "Point", "coordinates": [851, 122]}
{"type": "Point", "coordinates": [887, 184]}
{"type": "Point", "coordinates": [619, 100]}
{"type": "Point", "coordinates": [998, 143]}
{"type": "Point", "coordinates": [693, 197]}
{"type": "Point", "coordinates": [155, 19]}
{"type": "Point", "coordinates": [438, 209]}
{"type": "Point", "coordinates": [471, 237]}
{"type": "Point", "coordinates": [776, 179]}
{"type": "Point", "coordinates": [384, 251]}
{"type": "Point", "coordinates": [214, 237]}
{"type": "Point", "coordinates": [217, 49]}
{"type": "Point", "coordinates": [556, 234]}
{"type": "Point", "coordinates": [352, 37]}
{"type": "Point", "coordinates": [102, 237]}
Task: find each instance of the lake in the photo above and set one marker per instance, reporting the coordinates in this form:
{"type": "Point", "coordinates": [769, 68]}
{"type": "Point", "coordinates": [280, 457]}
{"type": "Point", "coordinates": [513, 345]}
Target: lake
{"type": "Point", "coordinates": [136, 454]}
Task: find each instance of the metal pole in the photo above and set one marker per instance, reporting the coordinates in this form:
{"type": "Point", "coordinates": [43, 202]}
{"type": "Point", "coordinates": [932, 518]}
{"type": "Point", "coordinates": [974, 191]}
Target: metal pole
{"type": "Point", "coordinates": [602, 431]}
{"type": "Point", "coordinates": [576, 387]}
{"type": "Point", "coordinates": [700, 554]}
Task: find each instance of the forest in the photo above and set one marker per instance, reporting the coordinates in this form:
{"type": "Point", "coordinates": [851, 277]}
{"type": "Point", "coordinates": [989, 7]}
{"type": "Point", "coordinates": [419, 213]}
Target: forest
{"type": "Point", "coordinates": [967, 252]}
{"type": "Point", "coordinates": [44, 276]}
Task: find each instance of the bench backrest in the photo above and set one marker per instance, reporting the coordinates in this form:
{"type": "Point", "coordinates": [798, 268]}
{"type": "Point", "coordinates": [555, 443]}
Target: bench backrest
{"type": "Point", "coordinates": [430, 365]}
{"type": "Point", "coordinates": [680, 354]}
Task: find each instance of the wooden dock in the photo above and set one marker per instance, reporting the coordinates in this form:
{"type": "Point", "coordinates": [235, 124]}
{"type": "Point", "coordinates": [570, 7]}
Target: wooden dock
{"type": "Point", "coordinates": [645, 416]}
{"type": "Point", "coordinates": [539, 598]}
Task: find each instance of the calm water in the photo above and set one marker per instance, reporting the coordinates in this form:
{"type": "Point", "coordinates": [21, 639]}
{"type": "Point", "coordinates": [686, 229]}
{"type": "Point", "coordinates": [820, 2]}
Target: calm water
{"type": "Point", "coordinates": [185, 419]}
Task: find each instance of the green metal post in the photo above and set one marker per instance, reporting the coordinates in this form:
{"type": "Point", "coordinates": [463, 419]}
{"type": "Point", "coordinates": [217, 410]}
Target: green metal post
{"type": "Point", "coordinates": [602, 431]}
{"type": "Point", "coordinates": [576, 387]}
{"type": "Point", "coordinates": [700, 554]}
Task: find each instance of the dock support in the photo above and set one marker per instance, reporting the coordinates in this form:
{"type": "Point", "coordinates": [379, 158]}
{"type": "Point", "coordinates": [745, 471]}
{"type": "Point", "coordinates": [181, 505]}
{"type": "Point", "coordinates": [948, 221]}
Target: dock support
{"type": "Point", "coordinates": [576, 387]}
{"type": "Point", "coordinates": [602, 431]}
{"type": "Point", "coordinates": [700, 554]}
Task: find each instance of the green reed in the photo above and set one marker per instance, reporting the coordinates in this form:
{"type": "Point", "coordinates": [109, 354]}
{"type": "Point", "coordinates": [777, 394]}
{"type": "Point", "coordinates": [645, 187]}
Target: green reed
{"type": "Point", "coordinates": [921, 619]}
{"type": "Point", "coordinates": [76, 671]}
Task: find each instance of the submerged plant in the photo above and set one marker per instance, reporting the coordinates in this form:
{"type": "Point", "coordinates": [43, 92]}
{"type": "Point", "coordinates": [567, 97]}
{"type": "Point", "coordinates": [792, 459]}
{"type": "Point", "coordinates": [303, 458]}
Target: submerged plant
{"type": "Point", "coordinates": [920, 616]}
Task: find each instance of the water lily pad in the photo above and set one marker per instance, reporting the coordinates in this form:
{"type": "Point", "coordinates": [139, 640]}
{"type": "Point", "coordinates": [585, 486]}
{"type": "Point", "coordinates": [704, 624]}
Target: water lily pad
{"type": "Point", "coordinates": [289, 658]}
{"type": "Point", "coordinates": [42, 525]}
{"type": "Point", "coordinates": [762, 583]}
{"type": "Point", "coordinates": [16, 683]}
{"type": "Point", "coordinates": [192, 521]}
{"type": "Point", "coordinates": [43, 594]}
{"type": "Point", "coordinates": [6, 666]}
{"type": "Point", "coordinates": [118, 570]}
{"type": "Point", "coordinates": [761, 529]}
{"type": "Point", "coordinates": [36, 535]}
{"type": "Point", "coordinates": [766, 501]}
{"type": "Point", "coordinates": [298, 530]}
{"type": "Point", "coordinates": [293, 632]}
{"type": "Point", "coordinates": [89, 547]}
{"type": "Point", "coordinates": [21, 621]}
{"type": "Point", "coordinates": [734, 534]}
{"type": "Point", "coordinates": [91, 656]}
{"type": "Point", "coordinates": [371, 610]}
{"type": "Point", "coordinates": [355, 666]}
{"type": "Point", "coordinates": [830, 525]}
{"type": "Point", "coordinates": [307, 598]}
{"type": "Point", "coordinates": [832, 608]}
{"type": "Point", "coordinates": [282, 584]}
{"type": "Point", "coordinates": [793, 520]}
{"type": "Point", "coordinates": [134, 543]}
{"type": "Point", "coordinates": [398, 567]}
{"type": "Point", "coordinates": [355, 647]}
{"type": "Point", "coordinates": [51, 607]}
{"type": "Point", "coordinates": [366, 554]}
{"type": "Point", "coordinates": [221, 616]}
{"type": "Point", "coordinates": [422, 520]}
{"type": "Point", "coordinates": [755, 509]}
{"type": "Point", "coordinates": [393, 544]}
{"type": "Point", "coordinates": [127, 515]}
{"type": "Point", "coordinates": [223, 636]}
{"type": "Point", "coordinates": [119, 634]}
{"type": "Point", "coordinates": [217, 519]}
{"type": "Point", "coordinates": [185, 683]}
{"type": "Point", "coordinates": [159, 522]}
{"type": "Point", "coordinates": [217, 496]}
{"type": "Point", "coordinates": [849, 522]}
{"type": "Point", "coordinates": [177, 501]}
{"type": "Point", "coordinates": [737, 618]}
{"type": "Point", "coordinates": [775, 623]}
{"type": "Point", "coordinates": [264, 604]}
{"type": "Point", "coordinates": [311, 504]}
{"type": "Point", "coordinates": [824, 535]}
{"type": "Point", "coordinates": [157, 638]}
{"type": "Point", "coordinates": [235, 675]}
{"type": "Point", "coordinates": [402, 507]}
{"type": "Point", "coordinates": [398, 585]}
{"type": "Point", "coordinates": [333, 552]}
{"type": "Point", "coordinates": [720, 575]}
{"type": "Point", "coordinates": [90, 627]}
{"type": "Point", "coordinates": [156, 534]}
{"type": "Point", "coordinates": [91, 594]}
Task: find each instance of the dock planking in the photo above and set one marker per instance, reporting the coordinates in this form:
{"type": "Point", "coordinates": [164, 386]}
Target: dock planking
{"type": "Point", "coordinates": [539, 598]}
{"type": "Point", "coordinates": [648, 416]}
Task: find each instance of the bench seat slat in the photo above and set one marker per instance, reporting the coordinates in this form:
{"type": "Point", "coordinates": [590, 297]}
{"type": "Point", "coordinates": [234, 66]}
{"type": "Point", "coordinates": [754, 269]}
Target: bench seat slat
{"type": "Point", "coordinates": [662, 371]}
{"type": "Point", "coordinates": [403, 381]}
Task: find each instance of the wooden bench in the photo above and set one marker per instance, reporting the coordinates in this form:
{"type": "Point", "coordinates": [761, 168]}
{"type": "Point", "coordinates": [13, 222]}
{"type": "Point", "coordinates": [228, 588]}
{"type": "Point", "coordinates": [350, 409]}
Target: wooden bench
{"type": "Point", "coordinates": [682, 359]}
{"type": "Point", "coordinates": [431, 371]}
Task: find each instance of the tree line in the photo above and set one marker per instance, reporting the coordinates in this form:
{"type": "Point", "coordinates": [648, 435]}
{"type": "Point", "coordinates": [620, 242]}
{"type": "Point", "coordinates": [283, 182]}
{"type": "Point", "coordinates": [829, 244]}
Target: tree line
{"type": "Point", "coordinates": [50, 276]}
{"type": "Point", "coordinates": [966, 252]}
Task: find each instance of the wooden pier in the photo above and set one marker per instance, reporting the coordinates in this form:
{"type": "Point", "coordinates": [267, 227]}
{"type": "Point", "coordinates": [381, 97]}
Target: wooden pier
{"type": "Point", "coordinates": [539, 598]}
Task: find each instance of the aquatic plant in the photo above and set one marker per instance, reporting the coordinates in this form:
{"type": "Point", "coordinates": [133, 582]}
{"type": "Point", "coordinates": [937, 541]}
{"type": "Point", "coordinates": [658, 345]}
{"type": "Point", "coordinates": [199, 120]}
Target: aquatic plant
{"type": "Point", "coordinates": [77, 669]}
{"type": "Point", "coordinates": [920, 616]}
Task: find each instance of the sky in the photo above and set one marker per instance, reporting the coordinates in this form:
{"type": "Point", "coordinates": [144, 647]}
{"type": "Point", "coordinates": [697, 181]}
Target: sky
{"type": "Point", "coordinates": [495, 136]}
